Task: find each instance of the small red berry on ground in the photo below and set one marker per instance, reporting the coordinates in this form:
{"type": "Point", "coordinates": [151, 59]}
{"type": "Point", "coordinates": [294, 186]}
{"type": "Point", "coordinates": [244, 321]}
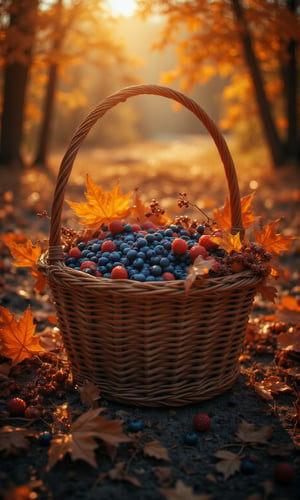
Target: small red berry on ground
{"type": "Point", "coordinates": [201, 422]}
{"type": "Point", "coordinates": [16, 407]}
{"type": "Point", "coordinates": [285, 473]}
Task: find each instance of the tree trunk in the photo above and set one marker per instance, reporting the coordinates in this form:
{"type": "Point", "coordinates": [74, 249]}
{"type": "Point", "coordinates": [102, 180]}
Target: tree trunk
{"type": "Point", "coordinates": [45, 129]}
{"type": "Point", "coordinates": [272, 137]}
{"type": "Point", "coordinates": [23, 16]}
{"type": "Point", "coordinates": [290, 81]}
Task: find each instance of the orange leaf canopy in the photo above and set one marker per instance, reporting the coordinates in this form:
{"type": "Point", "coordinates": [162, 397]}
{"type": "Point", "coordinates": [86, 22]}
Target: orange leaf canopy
{"type": "Point", "coordinates": [101, 207]}
{"type": "Point", "coordinates": [272, 241]}
{"type": "Point", "coordinates": [223, 216]}
{"type": "Point", "coordinates": [18, 339]}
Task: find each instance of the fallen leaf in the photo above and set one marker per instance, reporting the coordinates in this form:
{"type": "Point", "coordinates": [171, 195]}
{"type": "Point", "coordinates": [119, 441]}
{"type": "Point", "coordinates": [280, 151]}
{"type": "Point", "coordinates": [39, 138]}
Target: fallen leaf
{"type": "Point", "coordinates": [18, 339]}
{"type": "Point", "coordinates": [163, 476]}
{"type": "Point", "coordinates": [119, 473]}
{"type": "Point", "coordinates": [229, 464]}
{"type": "Point", "coordinates": [14, 440]}
{"type": "Point", "coordinates": [183, 492]}
{"type": "Point", "coordinates": [199, 268]}
{"type": "Point", "coordinates": [267, 292]}
{"type": "Point", "coordinates": [101, 207]}
{"type": "Point", "coordinates": [289, 310]}
{"type": "Point", "coordinates": [89, 393]}
{"type": "Point", "coordinates": [290, 340]}
{"type": "Point", "coordinates": [246, 433]}
{"type": "Point", "coordinates": [156, 450]}
{"type": "Point", "coordinates": [80, 441]}
{"type": "Point", "coordinates": [272, 241]}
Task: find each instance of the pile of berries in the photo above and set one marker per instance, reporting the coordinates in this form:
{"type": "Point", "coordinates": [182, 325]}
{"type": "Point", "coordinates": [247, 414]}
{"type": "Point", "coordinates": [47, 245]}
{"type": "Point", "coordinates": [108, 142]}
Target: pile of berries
{"type": "Point", "coordinates": [141, 253]}
{"type": "Point", "coordinates": [149, 253]}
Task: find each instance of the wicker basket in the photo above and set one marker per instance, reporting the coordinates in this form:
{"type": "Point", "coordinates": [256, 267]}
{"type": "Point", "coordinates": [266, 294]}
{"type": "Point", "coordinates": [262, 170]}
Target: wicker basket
{"type": "Point", "coordinates": [149, 343]}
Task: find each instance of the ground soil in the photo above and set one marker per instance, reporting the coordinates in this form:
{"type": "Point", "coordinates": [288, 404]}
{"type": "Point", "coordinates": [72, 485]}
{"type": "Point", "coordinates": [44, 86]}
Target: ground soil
{"type": "Point", "coordinates": [158, 169]}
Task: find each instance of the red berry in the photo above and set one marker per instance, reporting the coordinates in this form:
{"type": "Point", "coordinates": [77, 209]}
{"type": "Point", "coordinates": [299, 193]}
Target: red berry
{"type": "Point", "coordinates": [179, 246]}
{"type": "Point", "coordinates": [108, 246]}
{"type": "Point", "coordinates": [16, 407]}
{"type": "Point", "coordinates": [75, 252]}
{"type": "Point", "coordinates": [206, 241]}
{"type": "Point", "coordinates": [119, 272]}
{"type": "Point", "coordinates": [285, 473]}
{"type": "Point", "coordinates": [197, 250]}
{"type": "Point", "coordinates": [88, 264]}
{"type": "Point", "coordinates": [148, 225]}
{"type": "Point", "coordinates": [116, 227]}
{"type": "Point", "coordinates": [135, 228]}
{"type": "Point", "coordinates": [201, 422]}
{"type": "Point", "coordinates": [102, 235]}
{"type": "Point", "coordinates": [168, 276]}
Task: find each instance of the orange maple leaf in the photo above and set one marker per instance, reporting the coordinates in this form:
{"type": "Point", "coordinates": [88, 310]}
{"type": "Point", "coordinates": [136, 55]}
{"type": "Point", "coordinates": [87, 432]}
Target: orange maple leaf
{"type": "Point", "coordinates": [18, 339]}
{"type": "Point", "coordinates": [139, 209]}
{"type": "Point", "coordinates": [80, 441]}
{"type": "Point", "coordinates": [101, 207]}
{"type": "Point", "coordinates": [223, 216]}
{"type": "Point", "coordinates": [26, 254]}
{"type": "Point", "coordinates": [272, 241]}
{"type": "Point", "coordinates": [229, 242]}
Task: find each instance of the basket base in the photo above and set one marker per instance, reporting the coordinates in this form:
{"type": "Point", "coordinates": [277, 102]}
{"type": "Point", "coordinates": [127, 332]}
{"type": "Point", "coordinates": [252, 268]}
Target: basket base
{"type": "Point", "coordinates": [180, 395]}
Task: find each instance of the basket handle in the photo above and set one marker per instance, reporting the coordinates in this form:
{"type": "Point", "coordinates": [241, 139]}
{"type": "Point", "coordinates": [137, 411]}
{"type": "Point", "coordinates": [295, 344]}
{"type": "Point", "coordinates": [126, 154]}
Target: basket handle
{"type": "Point", "coordinates": [55, 248]}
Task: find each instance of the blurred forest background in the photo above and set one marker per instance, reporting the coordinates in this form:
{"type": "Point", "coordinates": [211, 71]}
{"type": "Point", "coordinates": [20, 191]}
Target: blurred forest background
{"type": "Point", "coordinates": [239, 59]}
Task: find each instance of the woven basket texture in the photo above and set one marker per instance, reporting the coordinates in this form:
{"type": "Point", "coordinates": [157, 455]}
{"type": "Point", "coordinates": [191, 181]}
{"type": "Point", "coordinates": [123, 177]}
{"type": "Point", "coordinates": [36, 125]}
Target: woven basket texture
{"type": "Point", "coordinates": [151, 343]}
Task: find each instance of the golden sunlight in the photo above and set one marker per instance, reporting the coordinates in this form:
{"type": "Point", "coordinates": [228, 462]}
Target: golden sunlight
{"type": "Point", "coordinates": [122, 7]}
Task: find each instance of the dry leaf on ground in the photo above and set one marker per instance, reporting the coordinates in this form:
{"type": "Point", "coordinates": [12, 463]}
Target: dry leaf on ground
{"type": "Point", "coordinates": [89, 394]}
{"type": "Point", "coordinates": [246, 433]}
{"type": "Point", "coordinates": [18, 339]}
{"type": "Point", "coordinates": [183, 492]}
{"type": "Point", "coordinates": [156, 450]}
{"type": "Point", "coordinates": [13, 440]}
{"type": "Point", "coordinates": [81, 442]}
{"type": "Point", "coordinates": [229, 464]}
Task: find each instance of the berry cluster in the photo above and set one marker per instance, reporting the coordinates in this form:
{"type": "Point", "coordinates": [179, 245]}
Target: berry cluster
{"type": "Point", "coordinates": [149, 253]}
{"type": "Point", "coordinates": [141, 253]}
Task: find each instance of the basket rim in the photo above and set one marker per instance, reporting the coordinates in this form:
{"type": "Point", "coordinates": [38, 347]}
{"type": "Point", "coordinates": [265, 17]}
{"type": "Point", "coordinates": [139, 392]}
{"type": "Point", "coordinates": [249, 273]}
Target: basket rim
{"type": "Point", "coordinates": [236, 280]}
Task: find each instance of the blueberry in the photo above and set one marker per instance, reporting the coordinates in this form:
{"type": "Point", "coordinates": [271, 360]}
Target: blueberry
{"type": "Point", "coordinates": [190, 438]}
{"type": "Point", "coordinates": [102, 261]}
{"type": "Point", "coordinates": [141, 243]}
{"type": "Point", "coordinates": [138, 277]}
{"type": "Point", "coordinates": [164, 262]}
{"type": "Point", "coordinates": [138, 263]}
{"type": "Point", "coordinates": [155, 260]}
{"type": "Point", "coordinates": [131, 255]}
{"type": "Point", "coordinates": [85, 253]}
{"type": "Point", "coordinates": [81, 245]}
{"type": "Point", "coordinates": [135, 426]}
{"type": "Point", "coordinates": [141, 255]}
{"type": "Point", "coordinates": [96, 247]}
{"type": "Point", "coordinates": [156, 270]}
{"type": "Point", "coordinates": [167, 244]}
{"type": "Point", "coordinates": [114, 256]}
{"type": "Point", "coordinates": [149, 238]}
{"type": "Point", "coordinates": [127, 228]}
{"type": "Point", "coordinates": [247, 467]}
{"type": "Point", "coordinates": [168, 232]}
{"type": "Point", "coordinates": [45, 438]}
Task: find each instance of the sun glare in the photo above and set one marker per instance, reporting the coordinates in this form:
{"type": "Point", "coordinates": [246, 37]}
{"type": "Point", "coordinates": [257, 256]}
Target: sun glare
{"type": "Point", "coordinates": [122, 7]}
